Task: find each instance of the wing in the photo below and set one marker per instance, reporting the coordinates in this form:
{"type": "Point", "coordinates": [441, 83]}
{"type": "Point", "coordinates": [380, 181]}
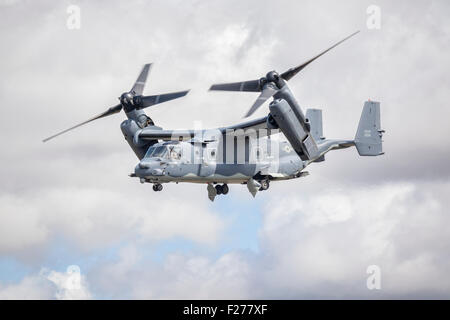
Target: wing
{"type": "Point", "coordinates": [250, 127]}
{"type": "Point", "coordinates": [150, 133]}
{"type": "Point", "coordinates": [255, 128]}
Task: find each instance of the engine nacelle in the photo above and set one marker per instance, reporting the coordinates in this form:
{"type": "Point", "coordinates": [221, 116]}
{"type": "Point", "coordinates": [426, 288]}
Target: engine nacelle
{"type": "Point", "coordinates": [130, 130]}
{"type": "Point", "coordinates": [271, 123]}
{"type": "Point", "coordinates": [300, 139]}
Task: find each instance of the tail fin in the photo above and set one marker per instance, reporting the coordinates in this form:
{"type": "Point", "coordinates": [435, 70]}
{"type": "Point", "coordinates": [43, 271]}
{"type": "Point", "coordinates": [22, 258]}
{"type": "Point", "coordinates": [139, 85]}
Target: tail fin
{"type": "Point", "coordinates": [368, 137]}
{"type": "Point", "coordinates": [314, 117]}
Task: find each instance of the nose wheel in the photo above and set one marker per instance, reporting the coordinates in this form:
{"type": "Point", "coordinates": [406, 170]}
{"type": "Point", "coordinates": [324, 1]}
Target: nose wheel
{"type": "Point", "coordinates": [157, 187]}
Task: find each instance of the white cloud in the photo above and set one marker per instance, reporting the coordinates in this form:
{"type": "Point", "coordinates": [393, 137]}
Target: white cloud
{"type": "Point", "coordinates": [93, 218]}
{"type": "Point", "coordinates": [21, 226]}
{"type": "Point", "coordinates": [70, 285]}
{"type": "Point", "coordinates": [178, 277]}
{"type": "Point", "coordinates": [49, 284]}
{"type": "Point", "coordinates": [318, 235]}
{"type": "Point", "coordinates": [29, 288]}
{"type": "Point", "coordinates": [306, 254]}
{"type": "Point", "coordinates": [384, 225]}
{"type": "Point", "coordinates": [9, 2]}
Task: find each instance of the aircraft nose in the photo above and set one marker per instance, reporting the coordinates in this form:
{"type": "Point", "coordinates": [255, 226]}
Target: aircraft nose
{"type": "Point", "coordinates": [146, 168]}
{"type": "Point", "coordinates": [144, 165]}
{"type": "Point", "coordinates": [142, 168]}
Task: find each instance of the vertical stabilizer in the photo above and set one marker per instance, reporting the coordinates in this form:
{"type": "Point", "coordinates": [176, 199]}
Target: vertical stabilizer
{"type": "Point", "coordinates": [315, 119]}
{"type": "Point", "coordinates": [368, 137]}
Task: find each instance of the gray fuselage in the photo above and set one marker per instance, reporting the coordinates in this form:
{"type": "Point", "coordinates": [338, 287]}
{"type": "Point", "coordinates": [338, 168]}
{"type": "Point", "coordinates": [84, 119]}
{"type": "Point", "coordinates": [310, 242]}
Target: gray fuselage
{"type": "Point", "coordinates": [213, 162]}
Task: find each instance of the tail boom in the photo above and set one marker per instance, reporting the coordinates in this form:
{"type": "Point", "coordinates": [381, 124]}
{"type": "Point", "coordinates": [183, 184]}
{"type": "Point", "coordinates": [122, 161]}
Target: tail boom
{"type": "Point", "coordinates": [368, 139]}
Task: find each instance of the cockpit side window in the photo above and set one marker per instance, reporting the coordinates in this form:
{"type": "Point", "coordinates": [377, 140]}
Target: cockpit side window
{"type": "Point", "coordinates": [175, 153]}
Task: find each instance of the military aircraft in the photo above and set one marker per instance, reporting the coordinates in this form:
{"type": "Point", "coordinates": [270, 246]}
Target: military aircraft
{"type": "Point", "coordinates": [256, 152]}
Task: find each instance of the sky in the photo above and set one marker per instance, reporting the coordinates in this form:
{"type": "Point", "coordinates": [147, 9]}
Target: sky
{"type": "Point", "coordinates": [74, 225]}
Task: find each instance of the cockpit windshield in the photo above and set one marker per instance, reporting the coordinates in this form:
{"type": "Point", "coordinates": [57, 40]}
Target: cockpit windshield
{"type": "Point", "coordinates": [172, 152]}
{"type": "Point", "coordinates": [156, 152]}
{"type": "Point", "coordinates": [149, 152]}
{"type": "Point", "coordinates": [159, 152]}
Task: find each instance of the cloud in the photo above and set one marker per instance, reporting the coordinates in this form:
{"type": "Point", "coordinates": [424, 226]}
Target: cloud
{"type": "Point", "coordinates": [394, 226]}
{"type": "Point", "coordinates": [49, 284]}
{"type": "Point", "coordinates": [21, 227]}
{"type": "Point", "coordinates": [29, 288]}
{"type": "Point", "coordinates": [318, 234]}
{"type": "Point", "coordinates": [318, 245]}
{"type": "Point", "coordinates": [8, 2]}
{"type": "Point", "coordinates": [70, 285]}
{"type": "Point", "coordinates": [178, 277]}
{"type": "Point", "coordinates": [93, 218]}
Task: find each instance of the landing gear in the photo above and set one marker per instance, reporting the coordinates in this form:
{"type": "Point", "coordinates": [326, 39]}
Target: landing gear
{"type": "Point", "coordinates": [225, 189]}
{"type": "Point", "coordinates": [264, 185]}
{"type": "Point", "coordinates": [216, 190]}
{"type": "Point", "coordinates": [222, 189]}
{"type": "Point", "coordinates": [157, 187]}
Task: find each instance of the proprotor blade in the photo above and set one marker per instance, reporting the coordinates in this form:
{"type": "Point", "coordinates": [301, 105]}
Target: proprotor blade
{"type": "Point", "coordinates": [147, 101]}
{"type": "Point", "coordinates": [108, 112]}
{"type": "Point", "coordinates": [138, 87]}
{"type": "Point", "coordinates": [267, 92]}
{"type": "Point", "coordinates": [250, 86]}
{"type": "Point", "coordinates": [289, 74]}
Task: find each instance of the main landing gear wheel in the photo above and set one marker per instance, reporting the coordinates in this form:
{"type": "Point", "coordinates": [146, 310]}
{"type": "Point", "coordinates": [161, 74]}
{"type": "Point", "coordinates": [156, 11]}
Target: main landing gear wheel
{"type": "Point", "coordinates": [222, 189]}
{"type": "Point", "coordinates": [225, 188]}
{"type": "Point", "coordinates": [157, 187]}
{"type": "Point", "coordinates": [264, 185]}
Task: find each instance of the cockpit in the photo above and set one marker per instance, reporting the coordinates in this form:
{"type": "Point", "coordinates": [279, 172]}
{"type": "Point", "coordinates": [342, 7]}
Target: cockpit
{"type": "Point", "coordinates": [172, 152]}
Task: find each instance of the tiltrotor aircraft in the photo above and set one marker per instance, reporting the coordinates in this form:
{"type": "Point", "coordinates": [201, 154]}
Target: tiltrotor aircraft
{"type": "Point", "coordinates": [245, 153]}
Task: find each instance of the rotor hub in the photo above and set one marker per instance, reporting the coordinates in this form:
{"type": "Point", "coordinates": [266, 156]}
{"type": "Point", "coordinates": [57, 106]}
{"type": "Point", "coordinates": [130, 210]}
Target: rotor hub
{"type": "Point", "coordinates": [272, 76]}
{"type": "Point", "coordinates": [127, 101]}
{"type": "Point", "coordinates": [137, 101]}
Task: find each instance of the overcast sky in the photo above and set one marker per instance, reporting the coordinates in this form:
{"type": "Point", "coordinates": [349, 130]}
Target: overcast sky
{"type": "Point", "coordinates": [70, 202]}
